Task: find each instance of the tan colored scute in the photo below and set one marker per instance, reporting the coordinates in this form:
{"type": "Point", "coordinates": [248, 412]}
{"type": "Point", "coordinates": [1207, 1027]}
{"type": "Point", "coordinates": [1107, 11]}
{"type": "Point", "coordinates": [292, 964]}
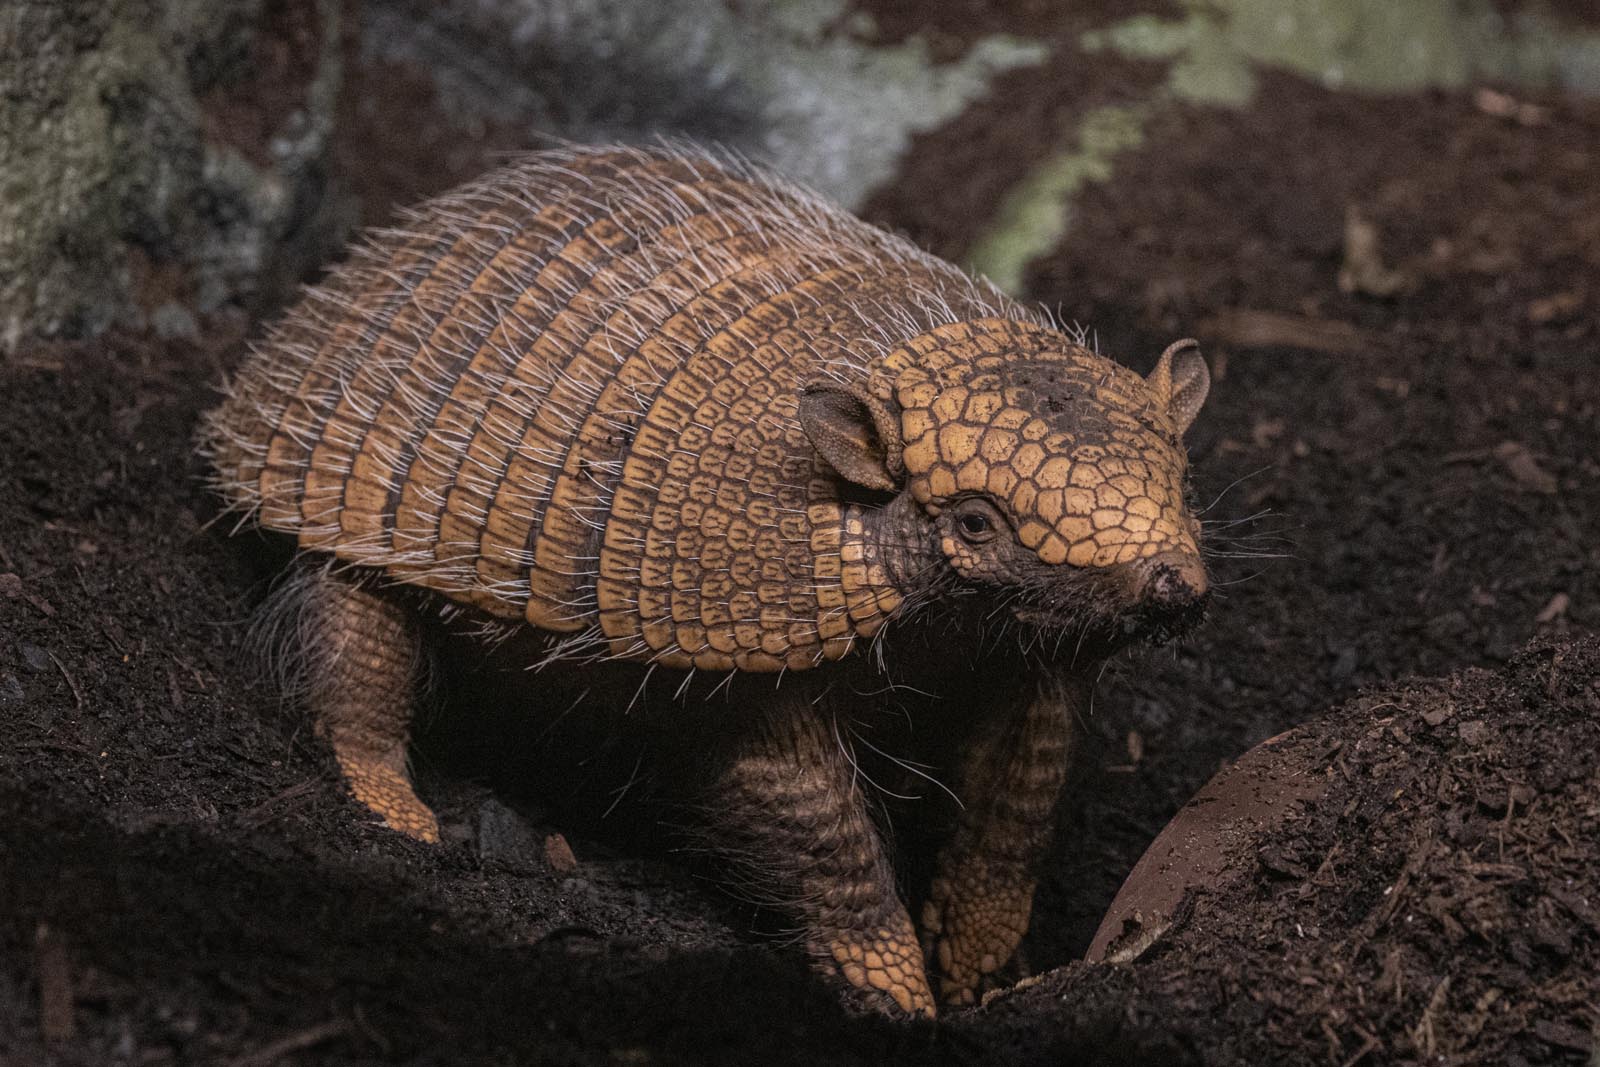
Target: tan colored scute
{"type": "Point", "coordinates": [567, 394]}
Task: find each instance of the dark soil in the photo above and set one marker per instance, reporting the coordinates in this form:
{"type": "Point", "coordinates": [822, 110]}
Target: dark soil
{"type": "Point", "coordinates": [1436, 904]}
{"type": "Point", "coordinates": [183, 880]}
{"type": "Point", "coordinates": [1430, 463]}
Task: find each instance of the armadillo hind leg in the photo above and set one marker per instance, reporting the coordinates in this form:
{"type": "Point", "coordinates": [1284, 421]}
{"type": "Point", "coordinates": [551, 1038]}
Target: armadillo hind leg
{"type": "Point", "coordinates": [787, 808]}
{"type": "Point", "coordinates": [361, 662]}
{"type": "Point", "coordinates": [982, 892]}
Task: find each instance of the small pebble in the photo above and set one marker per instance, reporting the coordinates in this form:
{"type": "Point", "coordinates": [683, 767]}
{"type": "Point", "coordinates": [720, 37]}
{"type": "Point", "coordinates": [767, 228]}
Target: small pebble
{"type": "Point", "coordinates": [1438, 714]}
{"type": "Point", "coordinates": [34, 658]}
{"type": "Point", "coordinates": [559, 855]}
{"type": "Point", "coordinates": [1525, 468]}
{"type": "Point", "coordinates": [1555, 609]}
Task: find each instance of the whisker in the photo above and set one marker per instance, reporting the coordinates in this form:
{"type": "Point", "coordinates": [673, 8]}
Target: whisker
{"type": "Point", "coordinates": [1230, 487]}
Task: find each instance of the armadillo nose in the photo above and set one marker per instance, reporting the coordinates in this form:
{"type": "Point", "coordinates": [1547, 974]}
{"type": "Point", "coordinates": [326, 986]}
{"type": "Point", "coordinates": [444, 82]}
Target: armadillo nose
{"type": "Point", "coordinates": [1174, 580]}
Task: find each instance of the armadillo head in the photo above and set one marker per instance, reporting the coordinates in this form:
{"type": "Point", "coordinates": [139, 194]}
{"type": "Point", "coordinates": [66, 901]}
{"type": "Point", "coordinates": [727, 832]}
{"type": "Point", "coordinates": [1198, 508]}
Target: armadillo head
{"type": "Point", "coordinates": [1053, 479]}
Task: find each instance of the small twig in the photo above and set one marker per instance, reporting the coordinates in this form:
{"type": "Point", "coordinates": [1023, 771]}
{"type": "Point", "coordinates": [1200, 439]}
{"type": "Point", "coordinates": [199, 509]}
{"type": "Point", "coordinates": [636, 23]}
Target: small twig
{"type": "Point", "coordinates": [1422, 1034]}
{"type": "Point", "coordinates": [1467, 455]}
{"type": "Point", "coordinates": [1250, 328]}
{"type": "Point", "coordinates": [1322, 868]}
{"type": "Point", "coordinates": [263, 812]}
{"type": "Point", "coordinates": [1369, 1044]}
{"type": "Point", "coordinates": [372, 1034]}
{"type": "Point", "coordinates": [314, 1035]}
{"type": "Point", "coordinates": [194, 672]}
{"type": "Point", "coordinates": [173, 689]}
{"type": "Point", "coordinates": [77, 694]}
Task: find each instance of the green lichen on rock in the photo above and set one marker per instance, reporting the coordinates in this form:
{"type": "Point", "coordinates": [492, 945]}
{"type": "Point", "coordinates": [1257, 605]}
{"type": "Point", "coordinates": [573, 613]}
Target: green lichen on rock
{"type": "Point", "coordinates": [785, 81]}
{"type": "Point", "coordinates": [104, 158]}
{"type": "Point", "coordinates": [1369, 45]}
{"type": "Point", "coordinates": [1035, 215]}
{"type": "Point", "coordinates": [837, 113]}
{"type": "Point", "coordinates": [1216, 50]}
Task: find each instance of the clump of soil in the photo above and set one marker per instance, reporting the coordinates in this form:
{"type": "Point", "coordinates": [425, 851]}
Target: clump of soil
{"type": "Point", "coordinates": [1438, 903]}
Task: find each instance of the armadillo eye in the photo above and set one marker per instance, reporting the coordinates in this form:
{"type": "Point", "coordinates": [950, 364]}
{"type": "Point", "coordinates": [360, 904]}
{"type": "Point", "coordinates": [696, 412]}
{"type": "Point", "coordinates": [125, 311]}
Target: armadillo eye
{"type": "Point", "coordinates": [976, 525]}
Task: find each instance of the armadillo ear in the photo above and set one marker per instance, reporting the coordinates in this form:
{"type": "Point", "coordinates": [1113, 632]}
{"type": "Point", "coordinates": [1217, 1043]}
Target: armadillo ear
{"type": "Point", "coordinates": [1181, 380]}
{"type": "Point", "coordinates": [858, 434]}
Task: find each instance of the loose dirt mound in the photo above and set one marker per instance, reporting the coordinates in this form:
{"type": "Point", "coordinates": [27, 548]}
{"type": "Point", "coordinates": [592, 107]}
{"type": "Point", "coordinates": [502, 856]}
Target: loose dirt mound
{"type": "Point", "coordinates": [1437, 903]}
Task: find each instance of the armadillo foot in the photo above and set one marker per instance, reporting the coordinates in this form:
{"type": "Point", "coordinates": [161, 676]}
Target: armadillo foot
{"type": "Point", "coordinates": [885, 965]}
{"type": "Point", "coordinates": [380, 781]}
{"type": "Point", "coordinates": [972, 931]}
{"type": "Point", "coordinates": [362, 652]}
{"type": "Point", "coordinates": [786, 805]}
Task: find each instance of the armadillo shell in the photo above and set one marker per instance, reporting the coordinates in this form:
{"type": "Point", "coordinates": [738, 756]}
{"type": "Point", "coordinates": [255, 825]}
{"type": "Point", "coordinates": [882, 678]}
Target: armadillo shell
{"type": "Point", "coordinates": [566, 394]}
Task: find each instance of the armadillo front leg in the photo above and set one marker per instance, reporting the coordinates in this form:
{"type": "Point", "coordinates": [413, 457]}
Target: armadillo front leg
{"type": "Point", "coordinates": [788, 809]}
{"type": "Point", "coordinates": [362, 656]}
{"type": "Point", "coordinates": [982, 893]}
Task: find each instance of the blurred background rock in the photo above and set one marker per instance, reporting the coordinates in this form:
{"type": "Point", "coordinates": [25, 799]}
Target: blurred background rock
{"type": "Point", "coordinates": [167, 159]}
{"type": "Point", "coordinates": [162, 159]}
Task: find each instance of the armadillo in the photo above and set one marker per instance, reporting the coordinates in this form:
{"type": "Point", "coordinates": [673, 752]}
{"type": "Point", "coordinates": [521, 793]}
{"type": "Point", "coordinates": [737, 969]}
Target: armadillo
{"type": "Point", "coordinates": [676, 421]}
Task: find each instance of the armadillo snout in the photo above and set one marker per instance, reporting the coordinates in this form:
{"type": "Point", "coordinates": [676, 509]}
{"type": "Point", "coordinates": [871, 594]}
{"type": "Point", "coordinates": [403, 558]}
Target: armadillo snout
{"type": "Point", "coordinates": [1174, 580]}
{"type": "Point", "coordinates": [1172, 596]}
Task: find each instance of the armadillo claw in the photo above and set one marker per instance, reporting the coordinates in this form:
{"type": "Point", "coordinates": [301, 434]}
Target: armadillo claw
{"type": "Point", "coordinates": [382, 784]}
{"type": "Point", "coordinates": [886, 966]}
